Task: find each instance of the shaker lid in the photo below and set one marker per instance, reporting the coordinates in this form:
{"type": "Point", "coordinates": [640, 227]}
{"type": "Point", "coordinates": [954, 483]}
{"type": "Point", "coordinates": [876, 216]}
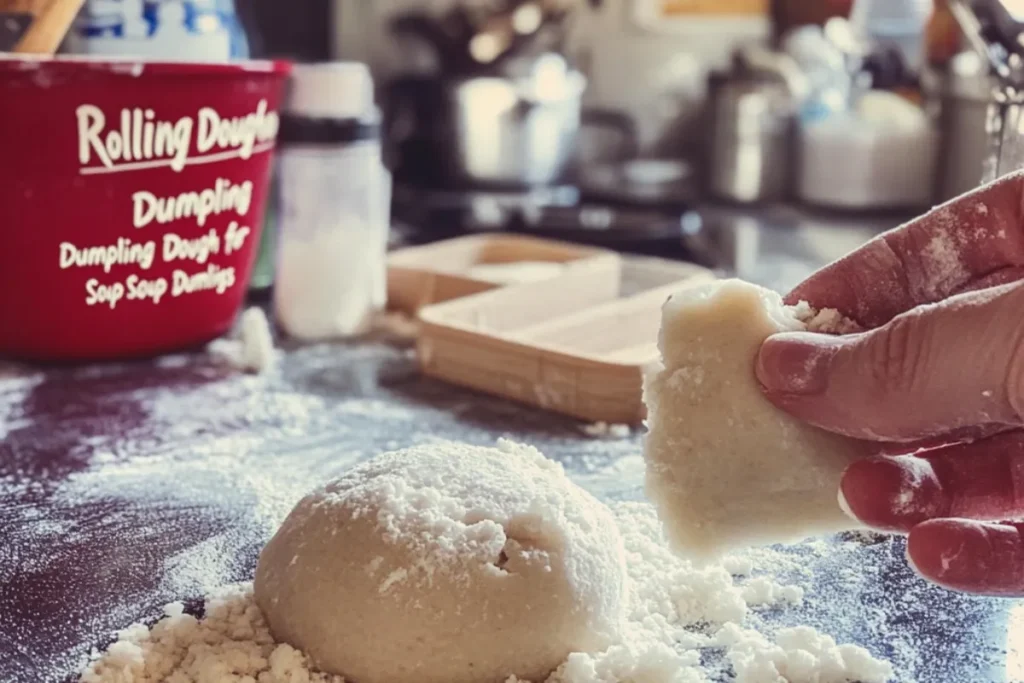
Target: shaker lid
{"type": "Point", "coordinates": [331, 90]}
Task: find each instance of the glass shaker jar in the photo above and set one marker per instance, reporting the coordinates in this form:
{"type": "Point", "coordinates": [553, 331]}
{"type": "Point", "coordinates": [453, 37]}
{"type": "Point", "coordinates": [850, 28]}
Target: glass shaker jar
{"type": "Point", "coordinates": [333, 205]}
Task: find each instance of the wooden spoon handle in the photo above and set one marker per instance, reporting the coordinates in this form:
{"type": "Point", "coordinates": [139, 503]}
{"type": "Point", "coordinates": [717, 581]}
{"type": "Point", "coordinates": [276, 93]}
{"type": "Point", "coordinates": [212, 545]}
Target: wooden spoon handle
{"type": "Point", "coordinates": [51, 24]}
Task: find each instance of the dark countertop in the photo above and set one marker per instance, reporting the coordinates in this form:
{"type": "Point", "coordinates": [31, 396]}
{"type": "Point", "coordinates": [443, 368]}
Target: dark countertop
{"type": "Point", "coordinates": [124, 487]}
{"type": "Point", "coordinates": [779, 246]}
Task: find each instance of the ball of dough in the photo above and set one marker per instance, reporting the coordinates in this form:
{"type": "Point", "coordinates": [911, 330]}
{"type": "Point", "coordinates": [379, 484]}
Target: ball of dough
{"type": "Point", "coordinates": [725, 467]}
{"type": "Point", "coordinates": [445, 563]}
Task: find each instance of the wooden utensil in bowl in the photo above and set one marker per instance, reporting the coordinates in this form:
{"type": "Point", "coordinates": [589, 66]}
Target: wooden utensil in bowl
{"type": "Point", "coordinates": [52, 19]}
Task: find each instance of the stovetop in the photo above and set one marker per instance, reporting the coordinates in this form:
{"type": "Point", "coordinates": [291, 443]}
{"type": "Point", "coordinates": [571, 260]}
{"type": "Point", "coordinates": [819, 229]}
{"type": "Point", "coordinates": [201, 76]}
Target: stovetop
{"type": "Point", "coordinates": [672, 229]}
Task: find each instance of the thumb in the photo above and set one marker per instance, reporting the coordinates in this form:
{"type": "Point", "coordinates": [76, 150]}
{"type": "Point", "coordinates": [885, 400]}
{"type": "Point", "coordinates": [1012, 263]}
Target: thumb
{"type": "Point", "coordinates": [930, 371]}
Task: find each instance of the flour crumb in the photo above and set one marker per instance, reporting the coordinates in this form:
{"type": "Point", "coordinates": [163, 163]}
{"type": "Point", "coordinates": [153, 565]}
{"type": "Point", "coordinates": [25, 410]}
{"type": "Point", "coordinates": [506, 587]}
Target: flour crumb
{"type": "Point", "coordinates": [824, 321]}
{"type": "Point", "coordinates": [603, 430]}
{"type": "Point", "coordinates": [803, 311]}
{"type": "Point", "coordinates": [763, 592]}
{"type": "Point", "coordinates": [230, 644]}
{"type": "Point", "coordinates": [798, 655]}
{"type": "Point", "coordinates": [738, 566]}
{"type": "Point", "coordinates": [831, 321]}
{"type": "Point", "coordinates": [251, 349]}
{"type": "Point", "coordinates": [637, 662]}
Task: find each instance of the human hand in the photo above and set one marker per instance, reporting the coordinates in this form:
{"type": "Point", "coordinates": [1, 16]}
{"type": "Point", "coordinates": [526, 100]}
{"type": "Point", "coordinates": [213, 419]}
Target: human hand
{"type": "Point", "coordinates": [939, 375]}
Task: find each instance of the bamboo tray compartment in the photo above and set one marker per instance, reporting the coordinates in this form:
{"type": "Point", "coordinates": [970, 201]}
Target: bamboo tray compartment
{"type": "Point", "coordinates": [442, 271]}
{"type": "Point", "coordinates": [574, 349]}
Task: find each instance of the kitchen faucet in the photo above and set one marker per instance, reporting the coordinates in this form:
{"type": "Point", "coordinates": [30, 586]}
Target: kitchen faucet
{"type": "Point", "coordinates": [995, 29]}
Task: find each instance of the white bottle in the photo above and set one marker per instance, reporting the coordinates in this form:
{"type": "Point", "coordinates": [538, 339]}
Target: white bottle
{"type": "Point", "coordinates": [334, 196]}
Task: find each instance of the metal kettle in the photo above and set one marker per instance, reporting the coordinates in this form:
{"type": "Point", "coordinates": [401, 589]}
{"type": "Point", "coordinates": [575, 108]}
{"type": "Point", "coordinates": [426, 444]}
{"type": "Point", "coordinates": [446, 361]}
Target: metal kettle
{"type": "Point", "coordinates": [995, 30]}
{"type": "Point", "coordinates": [753, 109]}
{"type": "Point", "coordinates": [495, 130]}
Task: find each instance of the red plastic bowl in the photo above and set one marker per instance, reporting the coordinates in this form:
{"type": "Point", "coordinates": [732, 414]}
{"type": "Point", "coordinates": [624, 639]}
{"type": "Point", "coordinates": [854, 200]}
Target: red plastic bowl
{"type": "Point", "coordinates": [131, 201]}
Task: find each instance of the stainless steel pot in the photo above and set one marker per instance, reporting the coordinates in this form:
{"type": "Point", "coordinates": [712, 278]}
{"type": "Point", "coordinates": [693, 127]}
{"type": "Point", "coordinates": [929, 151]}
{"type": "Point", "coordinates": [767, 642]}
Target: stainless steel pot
{"type": "Point", "coordinates": [994, 29]}
{"type": "Point", "coordinates": [753, 113]}
{"type": "Point", "coordinates": [498, 130]}
{"type": "Point", "coordinates": [505, 133]}
{"type": "Point", "coordinates": [967, 90]}
{"type": "Point", "coordinates": [750, 143]}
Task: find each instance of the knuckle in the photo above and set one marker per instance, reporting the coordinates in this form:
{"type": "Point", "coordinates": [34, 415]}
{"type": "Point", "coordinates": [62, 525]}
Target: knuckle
{"type": "Point", "coordinates": [1015, 384]}
{"type": "Point", "coordinates": [1015, 464]}
{"type": "Point", "coordinates": [899, 354]}
{"type": "Point", "coordinates": [1007, 309]}
{"type": "Point", "coordinates": [1015, 375]}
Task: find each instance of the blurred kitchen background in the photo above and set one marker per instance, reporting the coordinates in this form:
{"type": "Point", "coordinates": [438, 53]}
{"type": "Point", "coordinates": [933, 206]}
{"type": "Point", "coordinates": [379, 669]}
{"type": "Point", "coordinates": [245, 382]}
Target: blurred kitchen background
{"type": "Point", "coordinates": [741, 134]}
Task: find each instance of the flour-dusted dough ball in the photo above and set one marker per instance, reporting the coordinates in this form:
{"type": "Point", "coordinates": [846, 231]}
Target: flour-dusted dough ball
{"type": "Point", "coordinates": [725, 467]}
{"type": "Point", "coordinates": [445, 563]}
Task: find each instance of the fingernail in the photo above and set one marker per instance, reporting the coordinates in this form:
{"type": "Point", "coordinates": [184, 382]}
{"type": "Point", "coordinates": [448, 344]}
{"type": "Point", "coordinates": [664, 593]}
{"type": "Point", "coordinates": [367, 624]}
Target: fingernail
{"type": "Point", "coordinates": [845, 506]}
{"type": "Point", "coordinates": [954, 553]}
{"type": "Point", "coordinates": [891, 494]}
{"type": "Point", "coordinates": [795, 363]}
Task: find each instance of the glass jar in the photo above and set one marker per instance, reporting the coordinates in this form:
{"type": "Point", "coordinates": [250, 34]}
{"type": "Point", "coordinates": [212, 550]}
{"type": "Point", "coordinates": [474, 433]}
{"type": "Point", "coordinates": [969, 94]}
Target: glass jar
{"type": "Point", "coordinates": [333, 205]}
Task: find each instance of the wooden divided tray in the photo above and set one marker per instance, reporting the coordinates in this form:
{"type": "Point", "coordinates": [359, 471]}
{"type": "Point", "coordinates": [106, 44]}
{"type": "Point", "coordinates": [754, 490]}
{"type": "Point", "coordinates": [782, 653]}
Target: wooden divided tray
{"type": "Point", "coordinates": [442, 271]}
{"type": "Point", "coordinates": [578, 345]}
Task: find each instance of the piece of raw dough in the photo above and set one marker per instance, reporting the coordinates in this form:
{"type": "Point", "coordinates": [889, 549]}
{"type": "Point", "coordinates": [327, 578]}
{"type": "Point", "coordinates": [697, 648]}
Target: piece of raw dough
{"type": "Point", "coordinates": [446, 563]}
{"type": "Point", "coordinates": [725, 467]}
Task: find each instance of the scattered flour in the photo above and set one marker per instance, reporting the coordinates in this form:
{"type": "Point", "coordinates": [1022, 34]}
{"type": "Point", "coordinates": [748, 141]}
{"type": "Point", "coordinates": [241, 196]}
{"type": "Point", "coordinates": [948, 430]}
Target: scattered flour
{"type": "Point", "coordinates": [12, 373]}
{"type": "Point", "coordinates": [230, 644]}
{"type": "Point", "coordinates": [603, 430]}
{"type": "Point", "coordinates": [252, 347]}
{"type": "Point", "coordinates": [15, 380]}
{"type": "Point", "coordinates": [738, 566]}
{"type": "Point", "coordinates": [798, 655]}
{"type": "Point", "coordinates": [763, 592]}
{"type": "Point", "coordinates": [946, 269]}
{"type": "Point", "coordinates": [200, 568]}
{"type": "Point", "coordinates": [940, 269]}
{"type": "Point", "coordinates": [375, 408]}
{"type": "Point", "coordinates": [684, 624]}
{"type": "Point", "coordinates": [181, 360]}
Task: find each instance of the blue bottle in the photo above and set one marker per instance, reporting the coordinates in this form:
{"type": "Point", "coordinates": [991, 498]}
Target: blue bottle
{"type": "Point", "coordinates": [186, 30]}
